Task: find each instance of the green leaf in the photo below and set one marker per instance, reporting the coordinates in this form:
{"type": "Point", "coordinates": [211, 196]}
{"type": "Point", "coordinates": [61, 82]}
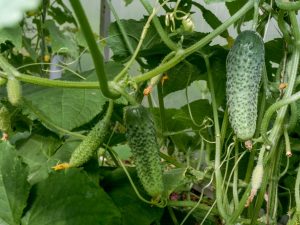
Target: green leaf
{"type": "Point", "coordinates": [180, 76]}
{"type": "Point", "coordinates": [14, 188]}
{"type": "Point", "coordinates": [133, 210]}
{"type": "Point", "coordinates": [70, 197]}
{"type": "Point", "coordinates": [218, 70]}
{"type": "Point", "coordinates": [127, 2]}
{"type": "Point", "coordinates": [61, 14]}
{"type": "Point", "coordinates": [37, 151]}
{"type": "Point", "coordinates": [123, 151]}
{"type": "Point", "coordinates": [133, 30]}
{"type": "Point", "coordinates": [211, 19]}
{"type": "Point", "coordinates": [176, 179]}
{"type": "Point", "coordinates": [12, 34]}
{"type": "Point", "coordinates": [274, 50]}
{"type": "Point", "coordinates": [181, 128]}
{"type": "Point", "coordinates": [68, 108]}
{"type": "Point", "coordinates": [234, 6]}
{"type": "Point", "coordinates": [60, 43]}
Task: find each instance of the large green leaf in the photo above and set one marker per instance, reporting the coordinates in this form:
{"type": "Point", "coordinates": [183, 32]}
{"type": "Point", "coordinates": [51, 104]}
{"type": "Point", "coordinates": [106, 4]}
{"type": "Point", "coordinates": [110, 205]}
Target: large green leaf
{"type": "Point", "coordinates": [12, 34]}
{"type": "Point", "coordinates": [67, 108]}
{"type": "Point", "coordinates": [59, 41]}
{"type": "Point", "coordinates": [180, 76]}
{"type": "Point", "coordinates": [37, 152]}
{"type": "Point", "coordinates": [133, 210]}
{"type": "Point", "coordinates": [71, 198]}
{"type": "Point", "coordinates": [14, 188]}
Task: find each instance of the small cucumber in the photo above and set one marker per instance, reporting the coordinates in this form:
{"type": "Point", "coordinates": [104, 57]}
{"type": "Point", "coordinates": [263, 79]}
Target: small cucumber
{"type": "Point", "coordinates": [4, 119]}
{"type": "Point", "coordinates": [244, 66]}
{"type": "Point", "coordinates": [14, 91]}
{"type": "Point", "coordinates": [92, 141]}
{"type": "Point", "coordinates": [142, 140]}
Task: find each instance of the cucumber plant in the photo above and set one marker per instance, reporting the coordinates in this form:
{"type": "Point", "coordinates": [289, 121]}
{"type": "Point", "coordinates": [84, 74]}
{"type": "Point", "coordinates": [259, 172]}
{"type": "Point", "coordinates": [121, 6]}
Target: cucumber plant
{"type": "Point", "coordinates": [182, 137]}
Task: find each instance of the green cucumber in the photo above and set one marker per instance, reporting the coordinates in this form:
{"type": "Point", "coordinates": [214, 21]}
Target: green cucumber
{"type": "Point", "coordinates": [14, 91]}
{"type": "Point", "coordinates": [244, 67]}
{"type": "Point", "coordinates": [92, 141]}
{"type": "Point", "coordinates": [4, 119]}
{"type": "Point", "coordinates": [142, 140]}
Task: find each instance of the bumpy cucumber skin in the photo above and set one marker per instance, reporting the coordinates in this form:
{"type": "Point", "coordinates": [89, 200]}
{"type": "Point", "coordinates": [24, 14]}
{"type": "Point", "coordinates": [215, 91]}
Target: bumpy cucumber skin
{"type": "Point", "coordinates": [244, 69]}
{"type": "Point", "coordinates": [142, 140]}
{"type": "Point", "coordinates": [91, 143]}
{"type": "Point", "coordinates": [14, 91]}
{"type": "Point", "coordinates": [4, 119]}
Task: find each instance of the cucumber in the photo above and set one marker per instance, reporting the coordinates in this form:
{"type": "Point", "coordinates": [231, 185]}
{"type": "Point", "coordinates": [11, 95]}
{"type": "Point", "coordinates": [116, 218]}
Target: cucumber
{"type": "Point", "coordinates": [244, 67]}
{"type": "Point", "coordinates": [141, 136]}
{"type": "Point", "coordinates": [4, 119]}
{"type": "Point", "coordinates": [14, 91]}
{"type": "Point", "coordinates": [92, 141]}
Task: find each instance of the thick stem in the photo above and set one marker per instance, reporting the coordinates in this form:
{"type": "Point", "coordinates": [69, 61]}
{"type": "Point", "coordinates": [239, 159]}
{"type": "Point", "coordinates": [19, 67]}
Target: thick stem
{"type": "Point", "coordinates": [292, 71]}
{"type": "Point", "coordinates": [297, 191]}
{"type": "Point", "coordinates": [288, 5]}
{"type": "Point", "coordinates": [53, 83]}
{"type": "Point", "coordinates": [94, 50]}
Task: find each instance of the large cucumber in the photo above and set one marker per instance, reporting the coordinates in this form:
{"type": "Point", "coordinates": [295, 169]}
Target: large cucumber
{"type": "Point", "coordinates": [142, 140]}
{"type": "Point", "coordinates": [244, 66]}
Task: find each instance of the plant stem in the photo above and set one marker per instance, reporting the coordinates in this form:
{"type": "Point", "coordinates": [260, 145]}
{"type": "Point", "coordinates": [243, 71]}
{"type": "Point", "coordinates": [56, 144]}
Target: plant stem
{"type": "Point", "coordinates": [219, 179]}
{"type": "Point", "coordinates": [94, 50]}
{"type": "Point", "coordinates": [53, 83]}
{"type": "Point", "coordinates": [235, 177]}
{"type": "Point", "coordinates": [255, 15]}
{"type": "Point", "coordinates": [9, 69]}
{"type": "Point", "coordinates": [123, 31]}
{"type": "Point", "coordinates": [292, 71]}
{"type": "Point", "coordinates": [163, 35]}
{"type": "Point", "coordinates": [161, 107]}
{"type": "Point", "coordinates": [297, 191]}
{"type": "Point", "coordinates": [288, 5]}
{"type": "Point", "coordinates": [276, 131]}
{"type": "Point", "coordinates": [121, 91]}
{"type": "Point", "coordinates": [143, 35]}
{"type": "Point", "coordinates": [224, 126]}
{"type": "Point", "coordinates": [295, 27]}
{"type": "Point", "coordinates": [184, 53]}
